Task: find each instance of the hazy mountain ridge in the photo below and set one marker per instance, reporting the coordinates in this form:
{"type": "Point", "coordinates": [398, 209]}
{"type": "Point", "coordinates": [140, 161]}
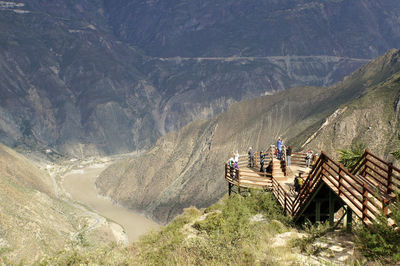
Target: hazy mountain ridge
{"type": "Point", "coordinates": [185, 168]}
{"type": "Point", "coordinates": [68, 82]}
{"type": "Point", "coordinates": [361, 29]}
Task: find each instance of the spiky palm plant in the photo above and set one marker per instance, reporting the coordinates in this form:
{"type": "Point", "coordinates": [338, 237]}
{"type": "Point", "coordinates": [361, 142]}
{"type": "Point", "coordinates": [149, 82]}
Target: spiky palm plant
{"type": "Point", "coordinates": [396, 154]}
{"type": "Point", "coordinates": [349, 157]}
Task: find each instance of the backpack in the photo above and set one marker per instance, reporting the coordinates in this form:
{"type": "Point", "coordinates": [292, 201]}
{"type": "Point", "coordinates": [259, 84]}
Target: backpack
{"type": "Point", "coordinates": [300, 181]}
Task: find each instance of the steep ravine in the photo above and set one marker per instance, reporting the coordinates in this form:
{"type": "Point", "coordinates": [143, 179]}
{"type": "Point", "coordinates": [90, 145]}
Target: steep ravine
{"type": "Point", "coordinates": [71, 79]}
{"type": "Point", "coordinates": [185, 168]}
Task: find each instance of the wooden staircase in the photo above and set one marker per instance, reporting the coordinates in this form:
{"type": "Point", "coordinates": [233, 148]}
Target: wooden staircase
{"type": "Point", "coordinates": [277, 172]}
{"type": "Point", "coordinates": [367, 189]}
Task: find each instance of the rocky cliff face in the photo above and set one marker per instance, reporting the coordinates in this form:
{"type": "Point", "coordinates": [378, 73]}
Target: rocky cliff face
{"type": "Point", "coordinates": [186, 168]}
{"type": "Point", "coordinates": [361, 29]}
{"type": "Point", "coordinates": [71, 79]}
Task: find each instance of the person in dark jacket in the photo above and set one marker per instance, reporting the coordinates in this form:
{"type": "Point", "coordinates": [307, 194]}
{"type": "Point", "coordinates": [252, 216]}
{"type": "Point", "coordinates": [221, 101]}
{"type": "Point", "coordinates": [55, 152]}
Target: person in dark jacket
{"type": "Point", "coordinates": [289, 155]}
{"type": "Point", "coordinates": [262, 156]}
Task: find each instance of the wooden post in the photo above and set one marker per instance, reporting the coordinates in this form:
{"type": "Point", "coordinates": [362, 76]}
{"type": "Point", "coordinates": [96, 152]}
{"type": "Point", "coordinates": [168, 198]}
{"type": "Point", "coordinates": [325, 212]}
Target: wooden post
{"type": "Point", "coordinates": [365, 166]}
{"type": "Point", "coordinates": [229, 189]}
{"type": "Point", "coordinates": [285, 202]}
{"type": "Point", "coordinates": [385, 207]}
{"type": "Point", "coordinates": [364, 202]}
{"type": "Point", "coordinates": [348, 219]}
{"type": "Point", "coordinates": [389, 180]}
{"type": "Point", "coordinates": [331, 208]}
{"type": "Point", "coordinates": [238, 176]}
{"type": "Point", "coordinates": [317, 210]}
{"type": "Point", "coordinates": [340, 180]}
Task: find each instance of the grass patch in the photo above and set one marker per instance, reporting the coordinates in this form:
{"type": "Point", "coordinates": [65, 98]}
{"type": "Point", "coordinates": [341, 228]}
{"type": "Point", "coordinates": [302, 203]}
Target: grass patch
{"type": "Point", "coordinates": [313, 232]}
{"type": "Point", "coordinates": [226, 233]}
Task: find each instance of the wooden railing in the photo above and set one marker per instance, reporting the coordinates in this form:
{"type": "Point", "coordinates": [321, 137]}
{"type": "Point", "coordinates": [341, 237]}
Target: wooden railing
{"type": "Point", "coordinates": [299, 159]}
{"type": "Point", "coordinates": [367, 189]}
{"type": "Point", "coordinates": [358, 192]}
{"type": "Point", "coordinates": [243, 163]}
{"type": "Point", "coordinates": [247, 178]}
{"type": "Point", "coordinates": [282, 196]}
{"type": "Point", "coordinates": [307, 188]}
{"type": "Point", "coordinates": [381, 174]}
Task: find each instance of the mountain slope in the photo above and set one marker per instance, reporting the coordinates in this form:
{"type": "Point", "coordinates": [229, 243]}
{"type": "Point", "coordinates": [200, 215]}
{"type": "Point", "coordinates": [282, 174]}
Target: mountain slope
{"type": "Point", "coordinates": [33, 221]}
{"type": "Point", "coordinates": [358, 28]}
{"type": "Point", "coordinates": [185, 168]}
{"type": "Point", "coordinates": [70, 80]}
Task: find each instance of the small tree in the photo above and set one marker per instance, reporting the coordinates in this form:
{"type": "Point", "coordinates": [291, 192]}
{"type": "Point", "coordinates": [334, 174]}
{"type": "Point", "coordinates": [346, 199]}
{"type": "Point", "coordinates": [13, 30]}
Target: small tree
{"type": "Point", "coordinates": [381, 241]}
{"type": "Point", "coordinates": [396, 154]}
{"type": "Point", "coordinates": [349, 157]}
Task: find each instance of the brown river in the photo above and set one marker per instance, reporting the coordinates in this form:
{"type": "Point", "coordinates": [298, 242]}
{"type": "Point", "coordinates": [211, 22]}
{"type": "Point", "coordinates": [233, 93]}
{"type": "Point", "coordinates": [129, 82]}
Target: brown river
{"type": "Point", "coordinates": [80, 184]}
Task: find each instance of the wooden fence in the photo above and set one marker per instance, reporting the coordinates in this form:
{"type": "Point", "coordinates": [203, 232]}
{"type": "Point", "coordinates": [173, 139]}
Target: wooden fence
{"type": "Point", "coordinates": [367, 189]}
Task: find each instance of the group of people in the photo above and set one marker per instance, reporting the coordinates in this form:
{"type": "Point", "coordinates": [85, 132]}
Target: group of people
{"type": "Point", "coordinates": [233, 163]}
{"type": "Point", "coordinates": [234, 160]}
{"type": "Point", "coordinates": [251, 154]}
{"type": "Point", "coordinates": [279, 151]}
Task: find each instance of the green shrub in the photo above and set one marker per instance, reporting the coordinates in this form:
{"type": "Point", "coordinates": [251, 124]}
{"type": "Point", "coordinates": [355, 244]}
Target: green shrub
{"type": "Point", "coordinates": [227, 235]}
{"type": "Point", "coordinates": [349, 157]}
{"type": "Point", "coordinates": [381, 241]}
{"type": "Point", "coordinates": [213, 223]}
{"type": "Point", "coordinates": [313, 232]}
{"type": "Point", "coordinates": [73, 255]}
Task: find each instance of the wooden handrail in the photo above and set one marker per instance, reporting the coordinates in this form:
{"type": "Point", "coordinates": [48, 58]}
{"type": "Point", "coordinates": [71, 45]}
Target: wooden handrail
{"type": "Point", "coordinates": [357, 186]}
{"type": "Point", "coordinates": [358, 164]}
{"type": "Point", "coordinates": [375, 157]}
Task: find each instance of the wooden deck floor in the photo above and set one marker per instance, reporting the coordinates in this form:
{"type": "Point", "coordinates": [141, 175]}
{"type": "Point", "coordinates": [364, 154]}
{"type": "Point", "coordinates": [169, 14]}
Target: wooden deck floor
{"type": "Point", "coordinates": [251, 177]}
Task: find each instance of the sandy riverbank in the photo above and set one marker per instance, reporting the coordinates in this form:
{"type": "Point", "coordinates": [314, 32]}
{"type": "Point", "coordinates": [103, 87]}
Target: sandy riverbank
{"type": "Point", "coordinates": [80, 184]}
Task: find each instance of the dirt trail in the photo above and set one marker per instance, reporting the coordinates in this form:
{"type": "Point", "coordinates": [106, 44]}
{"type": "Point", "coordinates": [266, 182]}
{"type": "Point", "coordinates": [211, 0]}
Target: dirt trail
{"type": "Point", "coordinates": [80, 184]}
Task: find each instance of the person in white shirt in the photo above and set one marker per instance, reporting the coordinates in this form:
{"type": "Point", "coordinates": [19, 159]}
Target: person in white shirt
{"type": "Point", "coordinates": [236, 157]}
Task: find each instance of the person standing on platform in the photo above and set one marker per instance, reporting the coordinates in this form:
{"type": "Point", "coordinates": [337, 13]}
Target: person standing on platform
{"type": "Point", "coordinates": [308, 158]}
{"type": "Point", "coordinates": [279, 147]}
{"type": "Point", "coordinates": [236, 166]}
{"type": "Point", "coordinates": [296, 184]}
{"type": "Point", "coordinates": [251, 157]}
{"type": "Point", "coordinates": [236, 156]}
{"type": "Point", "coordinates": [261, 161]}
{"type": "Point", "coordinates": [289, 155]}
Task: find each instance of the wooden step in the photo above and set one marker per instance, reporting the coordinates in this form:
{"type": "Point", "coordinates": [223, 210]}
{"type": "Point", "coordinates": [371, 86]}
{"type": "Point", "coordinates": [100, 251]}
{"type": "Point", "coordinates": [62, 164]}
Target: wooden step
{"type": "Point", "coordinates": [255, 179]}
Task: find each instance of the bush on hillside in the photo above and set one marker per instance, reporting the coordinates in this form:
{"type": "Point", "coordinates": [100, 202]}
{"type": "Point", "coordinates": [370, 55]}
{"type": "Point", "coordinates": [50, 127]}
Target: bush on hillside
{"type": "Point", "coordinates": [350, 156]}
{"type": "Point", "coordinates": [380, 241]}
{"type": "Point", "coordinates": [224, 234]}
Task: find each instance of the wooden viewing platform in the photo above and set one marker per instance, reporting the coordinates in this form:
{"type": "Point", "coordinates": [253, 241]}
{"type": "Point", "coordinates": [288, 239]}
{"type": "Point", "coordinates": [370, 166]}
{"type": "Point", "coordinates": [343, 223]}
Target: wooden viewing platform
{"type": "Point", "coordinates": [366, 190]}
